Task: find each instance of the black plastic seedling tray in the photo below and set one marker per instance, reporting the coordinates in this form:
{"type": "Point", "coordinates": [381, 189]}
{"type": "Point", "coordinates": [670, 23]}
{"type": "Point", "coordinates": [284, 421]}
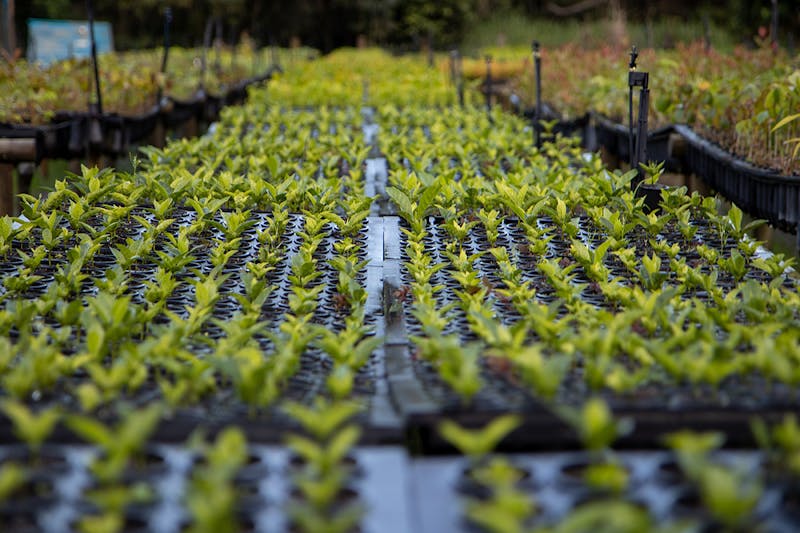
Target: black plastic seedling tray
{"type": "Point", "coordinates": [541, 430]}
{"type": "Point", "coordinates": [761, 192]}
{"type": "Point", "coordinates": [225, 407]}
{"type": "Point", "coordinates": [69, 134]}
{"type": "Point", "coordinates": [553, 482]}
{"type": "Point", "coordinates": [54, 498]}
{"type": "Point", "coordinates": [404, 398]}
{"type": "Point", "coordinates": [425, 399]}
{"type": "Point", "coordinates": [63, 138]}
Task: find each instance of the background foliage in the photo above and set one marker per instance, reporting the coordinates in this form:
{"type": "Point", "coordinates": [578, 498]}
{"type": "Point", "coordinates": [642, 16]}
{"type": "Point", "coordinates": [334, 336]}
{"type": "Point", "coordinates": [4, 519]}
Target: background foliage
{"type": "Point", "coordinates": [327, 24]}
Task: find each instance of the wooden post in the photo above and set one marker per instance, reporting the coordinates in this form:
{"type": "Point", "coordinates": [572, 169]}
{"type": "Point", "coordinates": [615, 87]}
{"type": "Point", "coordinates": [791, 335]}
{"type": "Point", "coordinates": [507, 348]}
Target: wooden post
{"type": "Point", "coordinates": [74, 166]}
{"type": "Point", "coordinates": [6, 189]}
{"type": "Point", "coordinates": [190, 128]}
{"type": "Point", "coordinates": [25, 173]}
{"type": "Point", "coordinates": [8, 25]}
{"type": "Point", "coordinates": [774, 24]}
{"type": "Point", "coordinates": [159, 136]}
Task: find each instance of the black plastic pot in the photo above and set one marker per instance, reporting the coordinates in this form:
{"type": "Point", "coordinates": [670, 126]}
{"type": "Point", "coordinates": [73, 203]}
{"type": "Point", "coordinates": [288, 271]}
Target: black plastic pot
{"type": "Point", "coordinates": [568, 128]}
{"type": "Point", "coordinates": [178, 112]}
{"type": "Point", "coordinates": [212, 106]}
{"type": "Point", "coordinates": [236, 94]}
{"type": "Point", "coordinates": [614, 137]}
{"type": "Point", "coordinates": [78, 140]}
{"type": "Point", "coordinates": [140, 127]}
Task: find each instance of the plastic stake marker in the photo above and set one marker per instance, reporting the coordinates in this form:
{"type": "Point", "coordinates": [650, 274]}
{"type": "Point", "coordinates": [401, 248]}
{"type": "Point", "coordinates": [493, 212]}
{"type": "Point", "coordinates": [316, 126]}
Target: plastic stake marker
{"type": "Point", "coordinates": [90, 13]}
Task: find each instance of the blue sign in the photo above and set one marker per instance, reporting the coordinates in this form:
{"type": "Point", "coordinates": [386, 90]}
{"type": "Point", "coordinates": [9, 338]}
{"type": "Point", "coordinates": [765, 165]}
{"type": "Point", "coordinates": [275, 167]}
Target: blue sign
{"type": "Point", "coordinates": [54, 40]}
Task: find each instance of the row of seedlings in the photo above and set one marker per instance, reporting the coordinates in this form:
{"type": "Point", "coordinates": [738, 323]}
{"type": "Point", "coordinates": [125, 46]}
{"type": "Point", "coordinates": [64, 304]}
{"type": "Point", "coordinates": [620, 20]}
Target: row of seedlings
{"type": "Point", "coordinates": [220, 279]}
{"type": "Point", "coordinates": [536, 281]}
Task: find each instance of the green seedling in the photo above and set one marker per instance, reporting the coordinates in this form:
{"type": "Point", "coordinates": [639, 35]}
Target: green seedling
{"type": "Point", "coordinates": [607, 477]}
{"type": "Point", "coordinates": [118, 443]}
{"type": "Point", "coordinates": [544, 373]}
{"type": "Point", "coordinates": [33, 428]}
{"type": "Point", "coordinates": [609, 516]}
{"type": "Point", "coordinates": [12, 477]}
{"type": "Point", "coordinates": [458, 365]}
{"type": "Point", "coordinates": [108, 522]}
{"type": "Point", "coordinates": [505, 512]}
{"type": "Point", "coordinates": [323, 457]}
{"type": "Point", "coordinates": [594, 424]}
{"type": "Point", "coordinates": [782, 442]}
{"type": "Point", "coordinates": [477, 443]}
{"type": "Point", "coordinates": [343, 521]}
{"type": "Point", "coordinates": [324, 418]}
{"type": "Point", "coordinates": [321, 491]}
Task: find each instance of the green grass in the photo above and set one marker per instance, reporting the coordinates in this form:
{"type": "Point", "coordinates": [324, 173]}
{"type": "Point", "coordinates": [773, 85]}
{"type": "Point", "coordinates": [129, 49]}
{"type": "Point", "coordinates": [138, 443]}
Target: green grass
{"type": "Point", "coordinates": [515, 29]}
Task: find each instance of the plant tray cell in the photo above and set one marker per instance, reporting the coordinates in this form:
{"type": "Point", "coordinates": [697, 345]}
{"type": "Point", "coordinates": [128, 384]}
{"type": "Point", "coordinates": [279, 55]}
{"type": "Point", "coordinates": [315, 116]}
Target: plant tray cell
{"type": "Point", "coordinates": [659, 405]}
{"type": "Point", "coordinates": [263, 488]}
{"type": "Point", "coordinates": [224, 406]}
{"type": "Point", "coordinates": [554, 483]}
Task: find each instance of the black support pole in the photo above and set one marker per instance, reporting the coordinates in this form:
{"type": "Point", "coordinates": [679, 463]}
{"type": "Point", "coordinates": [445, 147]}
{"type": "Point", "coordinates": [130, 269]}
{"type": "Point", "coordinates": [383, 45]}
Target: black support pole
{"type": "Point", "coordinates": [98, 92]}
{"type": "Point", "coordinates": [641, 131]}
{"type": "Point", "coordinates": [706, 32]}
{"type": "Point", "coordinates": [460, 75]}
{"type": "Point", "coordinates": [489, 86]}
{"type": "Point", "coordinates": [204, 57]}
{"type": "Point", "coordinates": [631, 71]}
{"type": "Point", "coordinates": [637, 141]}
{"type": "Point", "coordinates": [218, 47]}
{"type": "Point", "coordinates": [453, 67]}
{"type": "Point", "coordinates": [165, 57]}
{"type": "Point", "coordinates": [537, 115]}
{"type": "Point", "coordinates": [430, 49]}
{"type": "Point", "coordinates": [453, 70]}
{"type": "Point", "coordinates": [774, 24]}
